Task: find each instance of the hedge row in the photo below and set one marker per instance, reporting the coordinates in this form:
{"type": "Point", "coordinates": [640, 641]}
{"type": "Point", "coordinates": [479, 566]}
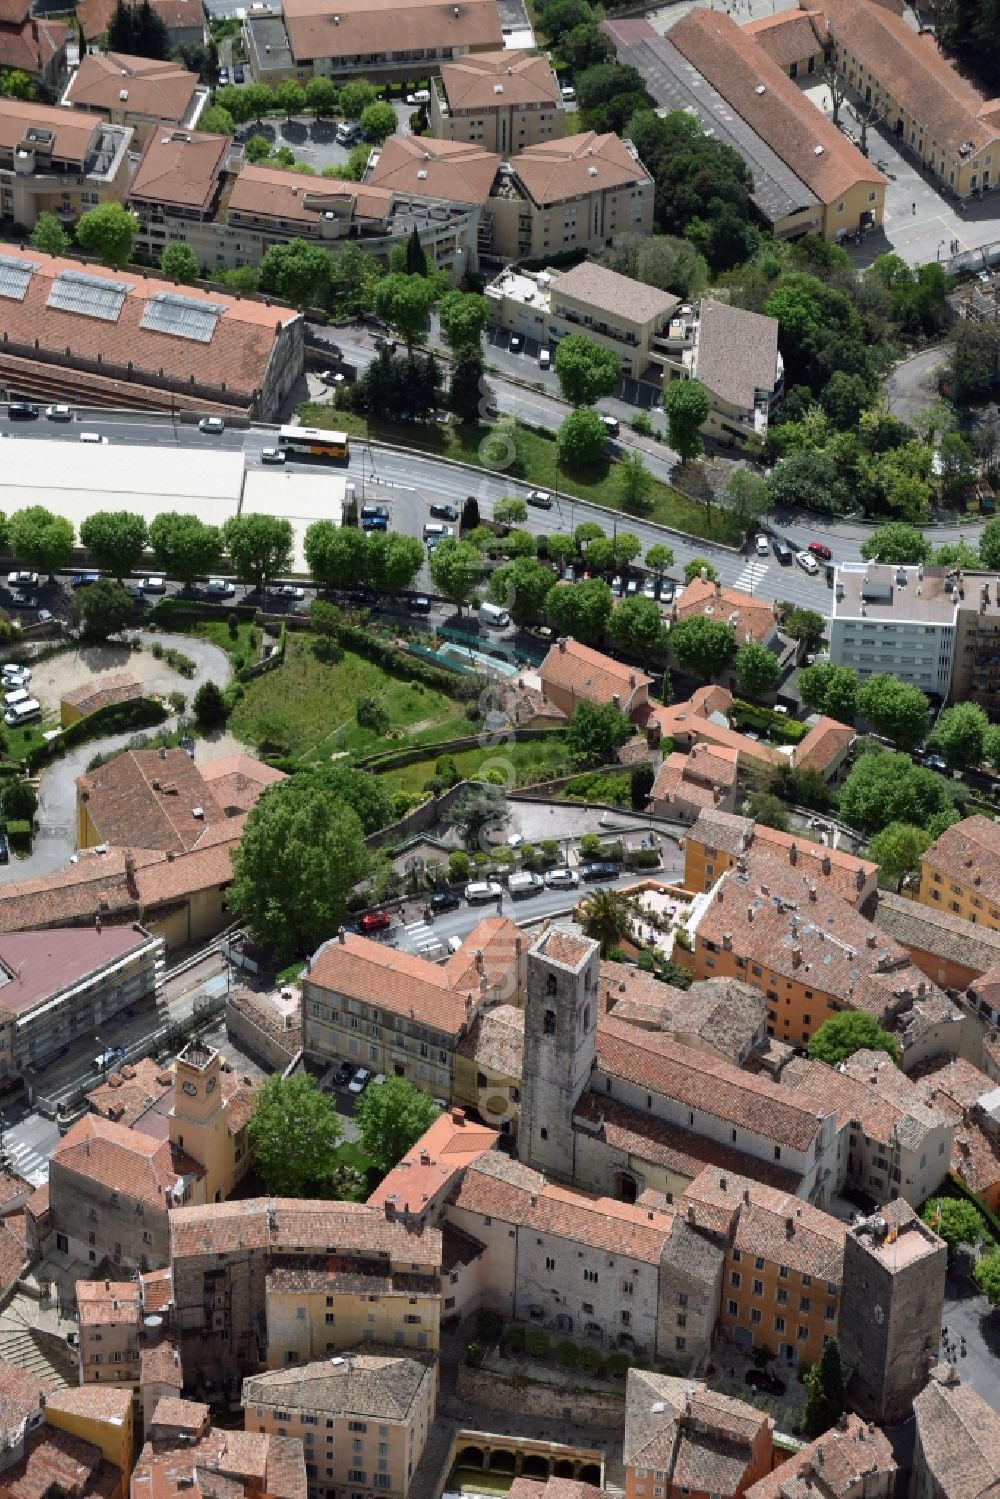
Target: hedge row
{"type": "Point", "coordinates": [401, 664]}
{"type": "Point", "coordinates": [114, 719]}
{"type": "Point", "coordinates": [787, 730]}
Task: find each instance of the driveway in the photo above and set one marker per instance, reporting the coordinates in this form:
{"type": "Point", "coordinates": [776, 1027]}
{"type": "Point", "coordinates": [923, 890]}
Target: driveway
{"type": "Point", "coordinates": [55, 838]}
{"type": "Point", "coordinates": [60, 674]}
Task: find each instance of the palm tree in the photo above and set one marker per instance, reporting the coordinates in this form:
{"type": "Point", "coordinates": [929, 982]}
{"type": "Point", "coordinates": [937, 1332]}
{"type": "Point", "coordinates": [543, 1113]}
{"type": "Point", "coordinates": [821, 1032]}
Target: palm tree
{"type": "Point", "coordinates": [606, 916]}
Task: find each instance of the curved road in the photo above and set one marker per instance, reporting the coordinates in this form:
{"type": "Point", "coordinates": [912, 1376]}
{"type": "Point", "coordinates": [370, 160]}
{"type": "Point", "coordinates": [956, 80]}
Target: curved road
{"type": "Point", "coordinates": [55, 839]}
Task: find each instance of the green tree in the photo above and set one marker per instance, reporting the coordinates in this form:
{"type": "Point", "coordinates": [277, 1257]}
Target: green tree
{"type": "Point", "coordinates": [633, 483]}
{"type": "Point", "coordinates": [695, 566]}
{"type": "Point", "coordinates": [404, 302]}
{"type": "Point", "coordinates": [830, 689]}
{"type": "Point", "coordinates": [108, 231]}
{"type": "Point", "coordinates": [989, 545]}
{"type": "Point", "coordinates": [257, 148]}
{"type": "Point", "coordinates": [852, 1030]}
{"type": "Point", "coordinates": [463, 317]}
{"type": "Point", "coordinates": [321, 97]}
{"type": "Point", "coordinates": [378, 120]}
{"type": "Point", "coordinates": [769, 810]}
{"type": "Point", "coordinates": [757, 669]}
{"type": "Point", "coordinates": [184, 546]}
{"type": "Point", "coordinates": [960, 736]}
{"type": "Point", "coordinates": [179, 263]}
{"type": "Point", "coordinates": [258, 99]}
{"type": "Point", "coordinates": [896, 543]}
{"type": "Point", "coordinates": [898, 848]}
{"type": "Point", "coordinates": [883, 788]}
{"type": "Point", "coordinates": [954, 1220]}
{"type": "Point", "coordinates": [895, 709]}
{"type": "Point", "coordinates": [297, 271]}
{"type": "Point", "coordinates": [233, 101]}
{"type": "Point", "coordinates": [586, 370]}
{"type": "Point", "coordinates": [986, 1273]}
{"type": "Point", "coordinates": [365, 794]}
{"type": "Point", "coordinates": [596, 732]}
{"type": "Point", "coordinates": [49, 236]}
{"type": "Point", "coordinates": [606, 916]}
{"type": "Point", "coordinates": [467, 387]}
{"type": "Point", "coordinates": [956, 554]}
{"type": "Point", "coordinates": [336, 555]}
{"type": "Point", "coordinates": [105, 609]}
{"type": "Point", "coordinates": [626, 546]}
{"type": "Point", "coordinates": [391, 1118]}
{"type": "Point", "coordinates": [824, 1391]}
{"type": "Point", "coordinates": [581, 609]}
{"type": "Point", "coordinates": [43, 540]}
{"type": "Point", "coordinates": [15, 84]}
{"type": "Point", "coordinates": [510, 511]}
{"type": "Point", "coordinates": [394, 562]}
{"type": "Point", "coordinates": [805, 626]}
{"type": "Point", "coordinates": [521, 587]}
{"type": "Point", "coordinates": [687, 406]}
{"type": "Point", "coordinates": [116, 539]}
{"type": "Point", "coordinates": [260, 547]}
{"type": "Point", "coordinates": [586, 532]}
{"type": "Point", "coordinates": [20, 801]}
{"type": "Point", "coordinates": [294, 1132]}
{"type": "Point", "coordinates": [701, 646]}
{"type": "Point", "coordinates": [216, 121]}
{"type": "Point", "coordinates": [581, 439]}
{"type": "Point", "coordinates": [290, 98]}
{"type": "Point", "coordinates": [300, 856]}
{"type": "Point", "coordinates": [209, 706]}
{"type": "Point", "coordinates": [637, 628]}
{"type": "Point", "coordinates": [355, 98]}
{"type": "Point", "coordinates": [456, 568]}
{"type": "Point", "coordinates": [479, 804]}
{"type": "Point", "coordinates": [747, 494]}
{"type": "Point", "coordinates": [659, 558]}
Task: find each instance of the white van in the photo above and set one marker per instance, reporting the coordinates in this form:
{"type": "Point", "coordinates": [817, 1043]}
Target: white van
{"type": "Point", "coordinates": [419, 96]}
{"type": "Point", "coordinates": [545, 359]}
{"type": "Point", "coordinates": [92, 437]}
{"type": "Point", "coordinates": [437, 531]}
{"type": "Point", "coordinates": [348, 131]}
{"type": "Point", "coordinates": [21, 713]}
{"type": "Point", "coordinates": [493, 616]}
{"type": "Point", "coordinates": [15, 696]}
{"type": "Point", "coordinates": [525, 884]}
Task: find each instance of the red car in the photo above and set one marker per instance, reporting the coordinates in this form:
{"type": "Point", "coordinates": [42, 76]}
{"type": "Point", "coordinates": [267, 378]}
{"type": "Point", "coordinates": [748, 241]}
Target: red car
{"type": "Point", "coordinates": [375, 921]}
{"type": "Point", "coordinates": [819, 550]}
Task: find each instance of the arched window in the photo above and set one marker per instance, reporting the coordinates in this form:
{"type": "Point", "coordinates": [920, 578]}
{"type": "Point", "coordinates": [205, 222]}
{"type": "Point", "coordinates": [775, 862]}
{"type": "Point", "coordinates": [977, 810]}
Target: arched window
{"type": "Point", "coordinates": [586, 1017]}
{"type": "Point", "coordinates": [549, 1023]}
{"type": "Point", "coordinates": [550, 984]}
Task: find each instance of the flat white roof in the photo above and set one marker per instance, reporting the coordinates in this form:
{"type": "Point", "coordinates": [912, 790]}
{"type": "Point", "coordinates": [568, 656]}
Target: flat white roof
{"type": "Point", "coordinates": [299, 497]}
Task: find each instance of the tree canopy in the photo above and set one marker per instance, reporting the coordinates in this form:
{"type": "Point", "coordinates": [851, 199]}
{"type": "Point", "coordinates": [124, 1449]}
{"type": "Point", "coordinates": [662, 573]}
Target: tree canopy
{"type": "Point", "coordinates": [108, 231]}
{"type": "Point", "coordinates": [896, 543]}
{"type": "Point", "coordinates": [297, 272]}
{"type": "Point", "coordinates": [581, 439]}
{"type": "Point", "coordinates": [179, 262]}
{"type": "Point", "coordinates": [883, 788]}
{"type": "Point", "coordinates": [830, 689]}
{"type": "Point", "coordinates": [294, 1132]}
{"type": "Point", "coordinates": [852, 1030]}
{"type": "Point", "coordinates": [595, 732]}
{"type": "Point", "coordinates": [897, 850]}
{"type": "Point", "coordinates": [463, 317]}
{"type": "Point", "coordinates": [184, 546]}
{"type": "Point", "coordinates": [43, 540]}
{"type": "Point", "coordinates": [105, 609]}
{"type": "Point", "coordinates": [895, 709]}
{"type": "Point", "coordinates": [456, 568]}
{"type": "Point", "coordinates": [586, 370]}
{"type": "Point", "coordinates": [116, 539]}
{"type": "Point", "coordinates": [404, 302]}
{"type": "Point", "coordinates": [581, 610]}
{"type": "Point", "coordinates": [521, 587]}
{"type": "Point", "coordinates": [391, 1117]}
{"type": "Point", "coordinates": [637, 628]}
{"type": "Point", "coordinates": [606, 916]}
{"type": "Point", "coordinates": [954, 1220]}
{"type": "Point", "coordinates": [757, 669]}
{"type": "Point", "coordinates": [702, 646]}
{"type": "Point", "coordinates": [960, 736]}
{"type": "Point", "coordinates": [260, 546]}
{"type": "Point", "coordinates": [687, 405]}
{"type": "Point", "coordinates": [824, 1391]}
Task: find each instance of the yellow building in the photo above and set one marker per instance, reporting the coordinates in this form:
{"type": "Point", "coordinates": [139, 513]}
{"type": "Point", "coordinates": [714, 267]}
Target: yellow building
{"type": "Point", "coordinates": [98, 692]}
{"type": "Point", "coordinates": [960, 872]}
{"type": "Point", "coordinates": [488, 1066]}
{"type": "Point", "coordinates": [55, 161]}
{"type": "Point", "coordinates": [102, 1417]}
{"type": "Point", "coordinates": [319, 1308]}
{"type": "Point", "coordinates": [108, 1316]}
{"type": "Point", "coordinates": [503, 101]}
{"type": "Point", "coordinates": [363, 1418]}
{"type": "Point", "coordinates": [209, 1118]}
{"type": "Point", "coordinates": [721, 840]}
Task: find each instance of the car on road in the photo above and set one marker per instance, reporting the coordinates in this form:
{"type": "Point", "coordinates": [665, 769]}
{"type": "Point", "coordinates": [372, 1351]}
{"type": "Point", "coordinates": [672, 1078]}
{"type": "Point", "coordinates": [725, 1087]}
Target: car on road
{"type": "Point", "coordinates": [515, 840]}
{"type": "Point", "coordinates": [569, 573]}
{"type": "Point", "coordinates": [820, 549]}
{"type": "Point", "coordinates": [59, 413]}
{"type": "Point", "coordinates": [612, 426]}
{"type": "Point", "coordinates": [239, 75]}
{"type": "Point", "coordinates": [445, 900]}
{"type": "Point", "coordinates": [762, 544]}
{"type": "Point", "coordinates": [290, 591]}
{"type": "Point", "coordinates": [374, 523]}
{"type": "Point", "coordinates": [336, 378]}
{"type": "Point", "coordinates": [782, 551]}
{"type": "Point", "coordinates": [420, 604]}
{"type": "Point", "coordinates": [385, 343]}
{"type": "Point", "coordinates": [932, 762]}
{"type": "Point", "coordinates": [807, 562]}
{"type": "Point", "coordinates": [632, 586]}
{"type": "Point", "coordinates": [343, 1074]}
{"type": "Point", "coordinates": [562, 878]}
{"type": "Point", "coordinates": [359, 1081]}
{"type": "Point", "coordinates": [45, 616]}
{"type": "Point", "coordinates": [22, 411]}
{"type": "Point", "coordinates": [213, 425]}
{"type": "Point", "coordinates": [454, 944]}
{"type": "Point", "coordinates": [375, 921]}
{"type": "Point", "coordinates": [22, 580]}
{"type": "Point", "coordinates": [444, 512]}
{"type": "Point", "coordinates": [763, 1379]}
{"type": "Point", "coordinates": [600, 869]}
{"type": "Point", "coordinates": [83, 580]}
{"type": "Point", "coordinates": [481, 890]}
{"type": "Point", "coordinates": [272, 455]}
{"type": "Point", "coordinates": [220, 588]}
{"type": "Point", "coordinates": [25, 600]}
{"type": "Point", "coordinates": [541, 498]}
{"type": "Point", "coordinates": [515, 343]}
{"type": "Point", "coordinates": [667, 589]}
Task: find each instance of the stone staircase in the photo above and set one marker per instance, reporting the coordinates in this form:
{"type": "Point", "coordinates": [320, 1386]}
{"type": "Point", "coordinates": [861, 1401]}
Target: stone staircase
{"type": "Point", "coordinates": [39, 1352]}
{"type": "Point", "coordinates": [432, 1469]}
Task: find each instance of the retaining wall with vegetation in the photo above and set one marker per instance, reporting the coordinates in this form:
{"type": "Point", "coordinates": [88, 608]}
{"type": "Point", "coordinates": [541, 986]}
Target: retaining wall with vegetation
{"type": "Point", "coordinates": [513, 1396]}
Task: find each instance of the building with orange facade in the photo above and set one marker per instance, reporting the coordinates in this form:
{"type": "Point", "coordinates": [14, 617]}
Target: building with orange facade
{"type": "Point", "coordinates": [719, 840]}
{"type": "Point", "coordinates": [684, 1439]}
{"type": "Point", "coordinates": [960, 872]}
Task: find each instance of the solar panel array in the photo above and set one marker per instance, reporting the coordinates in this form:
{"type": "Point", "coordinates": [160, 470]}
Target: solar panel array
{"type": "Point", "coordinates": [183, 317]}
{"type": "Point", "coordinates": [90, 296]}
{"type": "Point", "coordinates": [15, 277]}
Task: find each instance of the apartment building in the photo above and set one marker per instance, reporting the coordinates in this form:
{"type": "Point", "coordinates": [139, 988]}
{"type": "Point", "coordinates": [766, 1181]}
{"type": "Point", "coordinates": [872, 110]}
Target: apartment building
{"type": "Point", "coordinates": [573, 673]}
{"type": "Point", "coordinates": [108, 1313]}
{"type": "Point", "coordinates": [364, 40]}
{"type": "Point", "coordinates": [959, 872]}
{"type": "Point", "coordinates": [139, 93]}
{"type": "Point", "coordinates": [687, 785]}
{"type": "Point", "coordinates": [898, 620]}
{"type": "Point", "coordinates": [970, 1100]}
{"type": "Point", "coordinates": [101, 1417]}
{"type": "Point", "coordinates": [184, 1450]}
{"type": "Point", "coordinates": [719, 841]}
{"type": "Point", "coordinates": [223, 1255]}
{"type": "Point", "coordinates": [403, 1015]}
{"type": "Point", "coordinates": [503, 101]}
{"type": "Point", "coordinates": [952, 952]}
{"type": "Point", "coordinates": [702, 719]}
{"type": "Point", "coordinates": [956, 1452]}
{"type": "Point", "coordinates": [733, 354]}
{"type": "Point", "coordinates": [111, 1192]}
{"type": "Point", "coordinates": [488, 1068]}
{"type": "Point", "coordinates": [417, 1187]}
{"type": "Point", "coordinates": [784, 1266]}
{"type": "Point", "coordinates": [684, 1439]}
{"type": "Point", "coordinates": [363, 1418]}
{"type": "Point", "coordinates": [52, 161]}
{"type": "Point", "coordinates": [32, 44]}
{"type": "Point", "coordinates": [814, 955]}
{"type": "Point", "coordinates": [623, 315]}
{"type": "Point", "coordinates": [853, 1460]}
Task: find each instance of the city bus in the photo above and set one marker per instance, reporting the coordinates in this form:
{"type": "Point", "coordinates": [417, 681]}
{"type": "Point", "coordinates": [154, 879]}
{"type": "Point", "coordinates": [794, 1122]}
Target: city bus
{"type": "Point", "coordinates": [312, 442]}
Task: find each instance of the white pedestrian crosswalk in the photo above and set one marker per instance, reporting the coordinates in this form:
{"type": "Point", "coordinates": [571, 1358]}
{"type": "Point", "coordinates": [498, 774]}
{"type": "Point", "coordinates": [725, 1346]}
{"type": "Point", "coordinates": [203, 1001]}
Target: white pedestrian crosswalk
{"type": "Point", "coordinates": [27, 1161]}
{"type": "Point", "coordinates": [422, 936]}
{"type": "Point", "coordinates": [751, 577]}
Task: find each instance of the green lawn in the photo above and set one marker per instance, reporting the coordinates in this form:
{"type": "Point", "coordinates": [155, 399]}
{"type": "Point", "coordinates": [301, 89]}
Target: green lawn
{"type": "Point", "coordinates": [217, 632]}
{"type": "Point", "coordinates": [533, 760]}
{"type": "Point", "coordinates": [538, 463]}
{"type": "Point", "coordinates": [311, 706]}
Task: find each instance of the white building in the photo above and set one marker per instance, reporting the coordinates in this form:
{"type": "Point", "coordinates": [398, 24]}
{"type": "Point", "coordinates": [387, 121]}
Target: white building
{"type": "Point", "coordinates": [896, 620]}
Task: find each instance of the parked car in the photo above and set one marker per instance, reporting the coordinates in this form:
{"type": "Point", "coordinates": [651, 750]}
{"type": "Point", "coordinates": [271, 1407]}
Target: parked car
{"type": "Point", "coordinates": [83, 580]}
{"type": "Point", "coordinates": [420, 604]}
{"type": "Point", "coordinates": [59, 413]}
{"type": "Point", "coordinates": [821, 550]}
{"type": "Point", "coordinates": [649, 588]}
{"type": "Point", "coordinates": [562, 878]}
{"type": "Point", "coordinates": [445, 900]}
{"type": "Point", "coordinates": [343, 1074]}
{"type": "Point", "coordinates": [290, 591]}
{"type": "Point", "coordinates": [223, 77]}
{"type": "Point", "coordinates": [239, 75]}
{"type": "Point", "coordinates": [375, 921]}
{"type": "Point", "coordinates": [45, 616]}
{"type": "Point", "coordinates": [515, 840]}
{"type": "Point", "coordinates": [359, 1081]}
{"type": "Point", "coordinates": [762, 544]}
{"type": "Point", "coordinates": [616, 585]}
{"type": "Point", "coordinates": [273, 455]}
{"type": "Point", "coordinates": [220, 588]}
{"type": "Point", "coordinates": [541, 498]}
{"type": "Point", "coordinates": [807, 562]}
{"type": "Point", "coordinates": [481, 890]}
{"type": "Point", "coordinates": [569, 573]}
{"type": "Point", "coordinates": [632, 586]}
{"type": "Point", "coordinates": [22, 411]}
{"type": "Point", "coordinates": [25, 600]}
{"type": "Point", "coordinates": [515, 343]}
{"type": "Point", "coordinates": [611, 425]}
{"type": "Point", "coordinates": [600, 869]}
{"type": "Point", "coordinates": [782, 551]}
{"type": "Point", "coordinates": [22, 580]}
{"type": "Point", "coordinates": [568, 93]}
{"type": "Point", "coordinates": [187, 745]}
{"type": "Point", "coordinates": [763, 1379]}
{"type": "Point", "coordinates": [444, 512]}
{"type": "Point", "coordinates": [386, 343]}
{"type": "Point", "coordinates": [15, 676]}
{"type": "Point", "coordinates": [667, 589]}
{"type": "Point", "coordinates": [418, 97]}
{"type": "Point", "coordinates": [154, 585]}
{"type": "Point", "coordinates": [213, 425]}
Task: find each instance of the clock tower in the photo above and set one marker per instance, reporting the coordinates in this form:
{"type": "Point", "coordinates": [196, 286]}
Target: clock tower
{"type": "Point", "coordinates": [198, 1122]}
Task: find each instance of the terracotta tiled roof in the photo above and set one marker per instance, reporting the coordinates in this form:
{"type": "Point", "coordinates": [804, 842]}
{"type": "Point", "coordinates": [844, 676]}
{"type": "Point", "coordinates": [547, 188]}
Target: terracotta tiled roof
{"type": "Point", "coordinates": [705, 1082]}
{"type": "Point", "coordinates": [701, 1440]}
{"type": "Point", "coordinates": [791, 37]}
{"type": "Point", "coordinates": [100, 1401]}
{"type": "Point", "coordinates": [830, 869]}
{"type": "Point", "coordinates": [826, 742]}
{"type": "Point", "coordinates": [32, 44]}
{"type": "Point", "coordinates": [833, 1464]}
{"type": "Point", "coordinates": [126, 1095]}
{"type": "Point", "coordinates": [157, 1287]}
{"type": "Point", "coordinates": [959, 1436]}
{"type": "Point", "coordinates": [953, 1087]}
{"type": "Point", "coordinates": [498, 940]}
{"type": "Point", "coordinates": [693, 777]}
{"type": "Point", "coordinates": [589, 674]}
{"type": "Point", "coordinates": [57, 1463]}
{"type": "Point", "coordinates": [609, 291]}
{"type": "Point", "coordinates": [471, 83]}
{"type": "Point", "coordinates": [823, 158]}
{"type": "Point", "coordinates": [160, 1363]}
{"type": "Point", "coordinates": [777, 1225]}
{"type": "Point", "coordinates": [160, 89]}
{"type": "Point", "coordinates": [176, 15]}
{"type": "Point", "coordinates": [692, 720]}
{"type": "Point", "coordinates": [886, 1102]}
{"type": "Point", "coordinates": [21, 1395]}
{"type": "Point", "coordinates": [180, 1415]}
{"type": "Point", "coordinates": [150, 799]}
{"type": "Point", "coordinates": [73, 137]}
{"type": "Point", "coordinates": [364, 26]}
{"type": "Point", "coordinates": [13, 12]}
{"type": "Point", "coordinates": [102, 691]}
{"type": "Point", "coordinates": [496, 1041]}
{"type": "Point", "coordinates": [969, 853]}
{"type": "Point", "coordinates": [577, 166]}
{"type": "Point", "coordinates": [180, 167]}
{"type": "Point", "coordinates": [553, 1488]}
{"type": "Point", "coordinates": [38, 1203]}
{"type": "Point", "coordinates": [444, 1151]}
{"type": "Point", "coordinates": [381, 1385]}
{"type": "Point", "coordinates": [430, 168]}
{"type": "Point", "coordinates": [500, 1188]}
{"type": "Point", "coordinates": [563, 947]}
{"type": "Point", "coordinates": [101, 1303]}
{"type": "Point", "coordinates": [270, 192]}
{"type": "Point", "coordinates": [145, 1169]}
{"type": "Point", "coordinates": [285, 1222]}
{"type": "Point", "coordinates": [726, 1015]}
{"type": "Point", "coordinates": [928, 930]}
{"type": "Point", "coordinates": [717, 602]}
{"type": "Point", "coordinates": [236, 355]}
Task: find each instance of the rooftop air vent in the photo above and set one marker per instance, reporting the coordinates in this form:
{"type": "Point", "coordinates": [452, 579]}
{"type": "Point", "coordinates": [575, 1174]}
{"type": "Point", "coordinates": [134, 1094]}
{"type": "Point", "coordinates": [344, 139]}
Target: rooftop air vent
{"type": "Point", "coordinates": [761, 89]}
{"type": "Point", "coordinates": [817, 150]}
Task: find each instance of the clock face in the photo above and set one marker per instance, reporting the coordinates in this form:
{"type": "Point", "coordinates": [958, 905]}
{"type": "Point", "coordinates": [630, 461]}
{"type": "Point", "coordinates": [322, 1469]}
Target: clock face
{"type": "Point", "coordinates": [210, 1085]}
{"type": "Point", "coordinates": [190, 1088]}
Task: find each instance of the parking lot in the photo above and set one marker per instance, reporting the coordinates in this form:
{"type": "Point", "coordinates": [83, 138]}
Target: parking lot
{"type": "Point", "coordinates": [522, 364]}
{"type": "Point", "coordinates": [314, 141]}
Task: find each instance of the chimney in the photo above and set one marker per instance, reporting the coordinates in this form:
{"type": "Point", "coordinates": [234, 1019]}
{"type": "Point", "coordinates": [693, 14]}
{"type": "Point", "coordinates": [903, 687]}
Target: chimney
{"type": "Point", "coordinates": [749, 913]}
{"type": "Point", "coordinates": [789, 1227]}
{"type": "Point", "coordinates": [859, 878]}
{"type": "Point", "coordinates": [341, 936]}
{"type": "Point", "coordinates": [793, 853]}
{"type": "Point", "coordinates": [480, 960]}
{"type": "Point", "coordinates": [796, 957]}
{"type": "Point", "coordinates": [723, 1184]}
{"type": "Point", "coordinates": [97, 923]}
{"type": "Point", "coordinates": [690, 1214]}
{"type": "Point", "coordinates": [718, 588]}
{"type": "Point", "coordinates": [746, 1195]}
{"type": "Point", "coordinates": [826, 866]}
{"type": "Point", "coordinates": [727, 941]}
{"type": "Point", "coordinates": [871, 940]}
{"type": "Point", "coordinates": [458, 1116]}
{"type": "Point", "coordinates": [163, 752]}
{"type": "Point", "coordinates": [562, 645]}
{"type": "Point", "coordinates": [812, 891]}
{"type": "Point", "coordinates": [130, 880]}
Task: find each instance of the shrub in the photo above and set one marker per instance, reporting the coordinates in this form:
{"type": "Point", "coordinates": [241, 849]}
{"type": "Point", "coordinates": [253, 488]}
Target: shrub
{"type": "Point", "coordinates": [590, 1360]}
{"type": "Point", "coordinates": [178, 701]}
{"type": "Point", "coordinates": [157, 649]}
{"type": "Point", "coordinates": [568, 1355]}
{"type": "Point", "coordinates": [209, 706]}
{"type": "Point", "coordinates": [641, 423]}
{"type": "Point", "coordinates": [372, 715]}
{"type": "Point", "coordinates": [536, 1342]}
{"type": "Point", "coordinates": [489, 1324]}
{"type": "Point", "coordinates": [458, 865]}
{"type": "Point", "coordinates": [618, 1364]}
{"type": "Point", "coordinates": [234, 626]}
{"type": "Point", "coordinates": [513, 1340]}
{"type": "Point", "coordinates": [590, 846]}
{"type": "Point", "coordinates": [474, 1355]}
{"type": "Point", "coordinates": [19, 834]}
